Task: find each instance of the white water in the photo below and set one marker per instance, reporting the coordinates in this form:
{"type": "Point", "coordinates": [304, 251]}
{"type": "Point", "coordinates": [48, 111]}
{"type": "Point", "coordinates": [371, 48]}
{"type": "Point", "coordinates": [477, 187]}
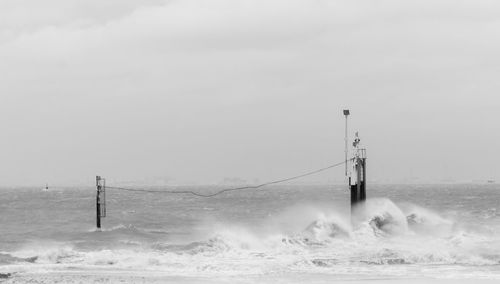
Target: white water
{"type": "Point", "coordinates": [386, 235]}
{"type": "Point", "coordinates": [387, 239]}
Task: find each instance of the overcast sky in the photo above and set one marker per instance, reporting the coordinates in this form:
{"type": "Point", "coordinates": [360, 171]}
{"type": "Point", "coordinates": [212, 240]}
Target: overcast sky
{"type": "Point", "coordinates": [201, 90]}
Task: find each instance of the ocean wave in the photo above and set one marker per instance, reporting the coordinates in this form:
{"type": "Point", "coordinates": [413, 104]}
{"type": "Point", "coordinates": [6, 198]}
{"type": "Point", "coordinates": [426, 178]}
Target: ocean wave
{"type": "Point", "coordinates": [383, 234]}
{"type": "Point", "coordinates": [116, 228]}
{"type": "Point", "coordinates": [6, 258]}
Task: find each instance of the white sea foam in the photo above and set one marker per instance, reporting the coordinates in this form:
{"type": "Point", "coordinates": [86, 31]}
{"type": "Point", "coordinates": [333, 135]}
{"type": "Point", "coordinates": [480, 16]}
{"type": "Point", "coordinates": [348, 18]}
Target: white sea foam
{"type": "Point", "coordinates": [384, 234]}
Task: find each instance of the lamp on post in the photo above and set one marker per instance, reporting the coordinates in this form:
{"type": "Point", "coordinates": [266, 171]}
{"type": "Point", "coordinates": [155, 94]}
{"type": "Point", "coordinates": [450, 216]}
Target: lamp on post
{"type": "Point", "coordinates": [346, 113]}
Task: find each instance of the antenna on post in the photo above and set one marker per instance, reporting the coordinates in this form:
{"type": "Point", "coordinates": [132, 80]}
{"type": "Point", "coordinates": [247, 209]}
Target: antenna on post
{"type": "Point", "coordinates": [346, 113]}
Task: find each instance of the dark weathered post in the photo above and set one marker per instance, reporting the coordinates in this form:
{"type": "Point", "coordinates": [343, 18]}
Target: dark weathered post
{"type": "Point", "coordinates": [363, 163]}
{"type": "Point", "coordinates": [98, 202]}
{"type": "Point", "coordinates": [357, 180]}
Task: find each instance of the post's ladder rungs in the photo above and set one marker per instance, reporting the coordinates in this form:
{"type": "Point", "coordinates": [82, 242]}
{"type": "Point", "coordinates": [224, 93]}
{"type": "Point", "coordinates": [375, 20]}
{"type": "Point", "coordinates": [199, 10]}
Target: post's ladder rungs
{"type": "Point", "coordinates": [103, 198]}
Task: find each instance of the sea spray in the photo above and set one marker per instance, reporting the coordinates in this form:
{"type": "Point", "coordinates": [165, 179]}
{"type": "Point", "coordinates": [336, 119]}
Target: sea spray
{"type": "Point", "coordinates": [259, 237]}
{"type": "Point", "coordinates": [425, 221]}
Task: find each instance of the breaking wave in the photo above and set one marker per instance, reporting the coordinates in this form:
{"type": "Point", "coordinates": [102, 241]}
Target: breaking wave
{"type": "Point", "coordinates": [383, 234]}
{"type": "Point", "coordinates": [6, 258]}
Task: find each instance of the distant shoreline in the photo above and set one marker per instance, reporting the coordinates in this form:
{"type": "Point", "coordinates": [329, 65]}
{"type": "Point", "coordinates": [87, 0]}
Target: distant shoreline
{"type": "Point", "coordinates": [375, 183]}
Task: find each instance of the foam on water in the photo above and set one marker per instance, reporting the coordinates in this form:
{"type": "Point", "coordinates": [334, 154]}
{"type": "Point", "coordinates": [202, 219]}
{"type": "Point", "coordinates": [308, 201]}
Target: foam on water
{"type": "Point", "coordinates": [255, 234]}
{"type": "Point", "coordinates": [385, 235]}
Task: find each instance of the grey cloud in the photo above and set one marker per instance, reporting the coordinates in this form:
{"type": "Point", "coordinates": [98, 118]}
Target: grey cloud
{"type": "Point", "coordinates": [200, 90]}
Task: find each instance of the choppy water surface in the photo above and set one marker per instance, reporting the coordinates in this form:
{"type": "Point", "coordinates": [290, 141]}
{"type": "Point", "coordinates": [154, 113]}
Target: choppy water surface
{"type": "Point", "coordinates": [404, 231]}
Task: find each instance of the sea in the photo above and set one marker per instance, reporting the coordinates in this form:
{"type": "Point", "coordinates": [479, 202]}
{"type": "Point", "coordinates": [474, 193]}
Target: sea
{"type": "Point", "coordinates": [300, 232]}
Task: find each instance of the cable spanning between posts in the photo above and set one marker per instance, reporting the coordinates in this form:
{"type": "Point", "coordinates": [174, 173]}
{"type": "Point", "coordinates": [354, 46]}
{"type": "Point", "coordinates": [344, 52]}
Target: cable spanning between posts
{"type": "Point", "coordinates": [229, 189]}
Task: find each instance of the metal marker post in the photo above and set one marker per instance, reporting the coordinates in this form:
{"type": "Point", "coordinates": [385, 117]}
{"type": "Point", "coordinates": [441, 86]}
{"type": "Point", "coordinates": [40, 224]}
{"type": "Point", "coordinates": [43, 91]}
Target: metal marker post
{"type": "Point", "coordinates": [358, 182]}
{"type": "Point", "coordinates": [98, 202]}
